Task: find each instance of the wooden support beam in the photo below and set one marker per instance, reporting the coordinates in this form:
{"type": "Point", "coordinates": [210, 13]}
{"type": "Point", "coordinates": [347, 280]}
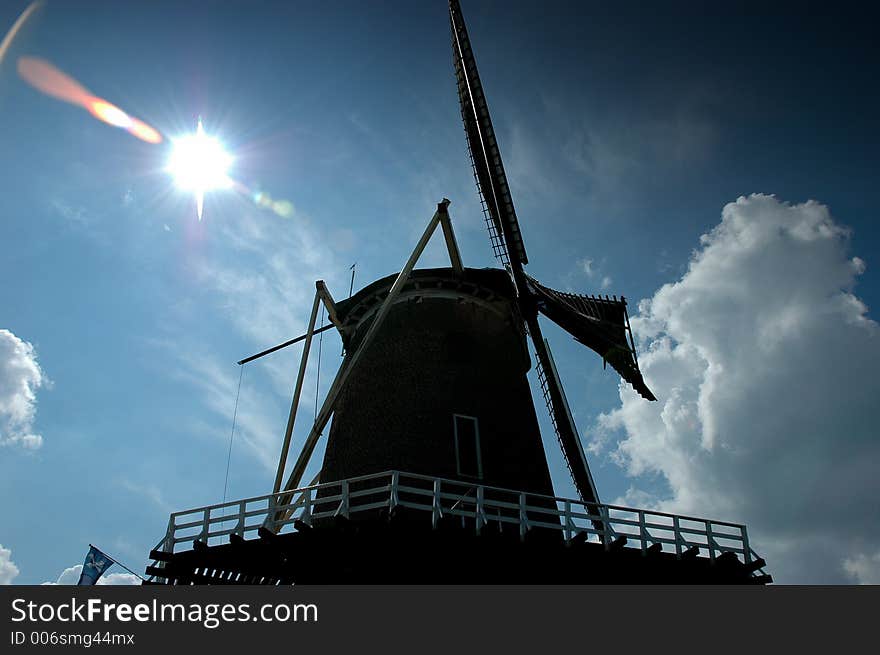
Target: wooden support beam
{"type": "Point", "coordinates": [161, 556]}
{"type": "Point", "coordinates": [727, 557]}
{"type": "Point", "coordinates": [618, 543]}
{"type": "Point", "coordinates": [327, 299]}
{"type": "Point", "coordinates": [301, 526]}
{"type": "Point", "coordinates": [156, 572]}
{"type": "Point", "coordinates": [290, 342]}
{"type": "Point", "coordinates": [754, 565]}
{"type": "Point", "coordinates": [352, 360]}
{"type": "Point", "coordinates": [451, 244]}
{"type": "Point", "coordinates": [691, 553]}
{"type": "Point", "coordinates": [297, 390]}
{"type": "Point", "coordinates": [266, 534]}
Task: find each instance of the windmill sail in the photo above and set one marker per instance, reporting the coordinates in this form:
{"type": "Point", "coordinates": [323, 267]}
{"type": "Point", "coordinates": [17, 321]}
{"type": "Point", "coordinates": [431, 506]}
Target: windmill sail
{"type": "Point", "coordinates": [560, 416]}
{"type": "Point", "coordinates": [485, 155]}
{"type": "Point", "coordinates": [601, 324]}
{"type": "Point", "coordinates": [603, 328]}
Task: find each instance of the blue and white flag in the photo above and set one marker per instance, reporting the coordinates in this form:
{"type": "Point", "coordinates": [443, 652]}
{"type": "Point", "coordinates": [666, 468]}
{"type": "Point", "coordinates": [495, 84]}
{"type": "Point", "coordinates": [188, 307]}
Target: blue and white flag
{"type": "Point", "coordinates": [95, 565]}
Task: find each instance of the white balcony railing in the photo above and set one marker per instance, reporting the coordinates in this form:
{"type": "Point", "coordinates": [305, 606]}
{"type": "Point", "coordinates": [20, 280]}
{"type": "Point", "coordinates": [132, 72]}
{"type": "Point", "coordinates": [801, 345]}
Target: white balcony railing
{"type": "Point", "coordinates": [478, 506]}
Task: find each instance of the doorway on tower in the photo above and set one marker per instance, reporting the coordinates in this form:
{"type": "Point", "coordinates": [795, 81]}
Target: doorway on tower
{"type": "Point", "coordinates": [468, 458]}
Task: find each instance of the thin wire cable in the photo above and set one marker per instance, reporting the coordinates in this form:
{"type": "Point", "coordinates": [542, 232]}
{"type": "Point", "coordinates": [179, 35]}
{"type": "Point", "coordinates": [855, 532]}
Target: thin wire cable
{"type": "Point", "coordinates": [232, 434]}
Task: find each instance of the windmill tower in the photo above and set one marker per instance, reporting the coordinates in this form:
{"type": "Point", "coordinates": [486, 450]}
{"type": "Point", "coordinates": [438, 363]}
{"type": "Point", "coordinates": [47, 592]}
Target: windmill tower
{"type": "Point", "coordinates": [434, 469]}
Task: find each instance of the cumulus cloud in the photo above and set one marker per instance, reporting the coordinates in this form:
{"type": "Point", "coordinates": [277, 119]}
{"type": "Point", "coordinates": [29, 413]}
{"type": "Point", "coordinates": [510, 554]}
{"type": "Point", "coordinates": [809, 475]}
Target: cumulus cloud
{"type": "Point", "coordinates": [20, 377]}
{"type": "Point", "coordinates": [765, 363]}
{"type": "Point", "coordinates": [70, 576]}
{"type": "Point", "coordinates": [864, 569]}
{"type": "Point", "coordinates": [8, 569]}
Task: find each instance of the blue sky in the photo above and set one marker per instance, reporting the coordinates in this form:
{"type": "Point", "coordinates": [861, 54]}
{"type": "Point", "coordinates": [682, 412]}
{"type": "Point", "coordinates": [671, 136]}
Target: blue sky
{"type": "Point", "coordinates": [625, 131]}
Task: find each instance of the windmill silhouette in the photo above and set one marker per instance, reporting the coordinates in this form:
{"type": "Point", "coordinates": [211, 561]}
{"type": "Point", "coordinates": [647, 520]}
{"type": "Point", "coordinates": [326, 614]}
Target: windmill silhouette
{"type": "Point", "coordinates": [434, 469]}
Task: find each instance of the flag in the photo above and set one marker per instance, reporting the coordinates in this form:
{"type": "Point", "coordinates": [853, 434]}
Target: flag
{"type": "Point", "coordinates": [94, 566]}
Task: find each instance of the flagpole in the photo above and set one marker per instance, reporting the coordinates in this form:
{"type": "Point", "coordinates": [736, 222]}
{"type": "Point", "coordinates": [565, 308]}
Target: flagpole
{"type": "Point", "coordinates": [115, 561]}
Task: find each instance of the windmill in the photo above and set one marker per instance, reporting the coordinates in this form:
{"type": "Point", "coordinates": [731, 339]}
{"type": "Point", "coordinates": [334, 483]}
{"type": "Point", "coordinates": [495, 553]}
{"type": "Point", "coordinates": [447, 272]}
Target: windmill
{"type": "Point", "coordinates": [601, 324]}
{"type": "Point", "coordinates": [434, 468]}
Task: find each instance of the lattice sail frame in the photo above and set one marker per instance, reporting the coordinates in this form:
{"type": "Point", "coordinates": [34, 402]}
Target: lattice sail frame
{"type": "Point", "coordinates": [601, 324]}
{"type": "Point", "coordinates": [491, 180]}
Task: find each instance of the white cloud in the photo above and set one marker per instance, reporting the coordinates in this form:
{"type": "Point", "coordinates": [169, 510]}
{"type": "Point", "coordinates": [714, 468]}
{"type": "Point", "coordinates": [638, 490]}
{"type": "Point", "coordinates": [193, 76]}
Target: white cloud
{"type": "Point", "coordinates": [8, 569]}
{"type": "Point", "coordinates": [70, 576]}
{"type": "Point", "coordinates": [586, 265]}
{"type": "Point", "coordinates": [266, 280]}
{"type": "Point", "coordinates": [614, 155]}
{"type": "Point", "coordinates": [150, 492]}
{"type": "Point", "coordinates": [765, 364]}
{"type": "Point", "coordinates": [20, 377]}
{"type": "Point", "coordinates": [593, 270]}
{"type": "Point", "coordinates": [864, 569]}
{"type": "Point", "coordinates": [73, 214]}
{"type": "Point", "coordinates": [218, 386]}
{"type": "Point", "coordinates": [263, 283]}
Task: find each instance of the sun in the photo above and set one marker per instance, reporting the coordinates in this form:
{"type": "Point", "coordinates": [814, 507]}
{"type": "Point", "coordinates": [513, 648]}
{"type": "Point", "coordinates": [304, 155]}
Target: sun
{"type": "Point", "coordinates": [199, 163]}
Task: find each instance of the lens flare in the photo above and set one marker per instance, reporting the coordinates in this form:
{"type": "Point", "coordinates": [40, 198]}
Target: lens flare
{"type": "Point", "coordinates": [144, 132]}
{"type": "Point", "coordinates": [16, 27]}
{"type": "Point", "coordinates": [110, 114]}
{"type": "Point", "coordinates": [284, 208]}
{"type": "Point", "coordinates": [199, 163]}
{"type": "Point", "coordinates": [46, 78]}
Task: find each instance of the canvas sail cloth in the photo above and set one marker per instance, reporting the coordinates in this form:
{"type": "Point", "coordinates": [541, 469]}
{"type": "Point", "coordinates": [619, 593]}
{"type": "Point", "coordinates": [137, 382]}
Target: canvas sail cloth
{"type": "Point", "coordinates": [601, 324]}
{"type": "Point", "coordinates": [94, 566]}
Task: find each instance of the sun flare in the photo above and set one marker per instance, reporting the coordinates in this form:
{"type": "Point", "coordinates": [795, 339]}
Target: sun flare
{"type": "Point", "coordinates": [199, 163]}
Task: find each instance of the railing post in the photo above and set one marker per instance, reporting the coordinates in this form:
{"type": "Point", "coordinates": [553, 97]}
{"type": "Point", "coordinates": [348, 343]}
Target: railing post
{"type": "Point", "coordinates": [395, 498]}
{"type": "Point", "coordinates": [479, 519]}
{"type": "Point", "coordinates": [607, 530]}
{"type": "Point", "coordinates": [643, 532]}
{"type": "Point", "coordinates": [676, 530]}
{"type": "Point", "coordinates": [436, 508]}
{"type": "Point", "coordinates": [523, 518]}
{"type": "Point", "coordinates": [344, 502]}
{"type": "Point", "coordinates": [568, 522]}
{"type": "Point", "coordinates": [168, 546]}
{"type": "Point", "coordinates": [306, 516]}
{"type": "Point", "coordinates": [269, 521]}
{"type": "Point", "coordinates": [710, 542]}
{"type": "Point", "coordinates": [239, 527]}
{"type": "Point", "coordinates": [206, 516]}
{"type": "Point", "coordinates": [747, 551]}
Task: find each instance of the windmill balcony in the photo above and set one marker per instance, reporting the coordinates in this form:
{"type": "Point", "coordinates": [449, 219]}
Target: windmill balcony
{"type": "Point", "coordinates": [420, 504]}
